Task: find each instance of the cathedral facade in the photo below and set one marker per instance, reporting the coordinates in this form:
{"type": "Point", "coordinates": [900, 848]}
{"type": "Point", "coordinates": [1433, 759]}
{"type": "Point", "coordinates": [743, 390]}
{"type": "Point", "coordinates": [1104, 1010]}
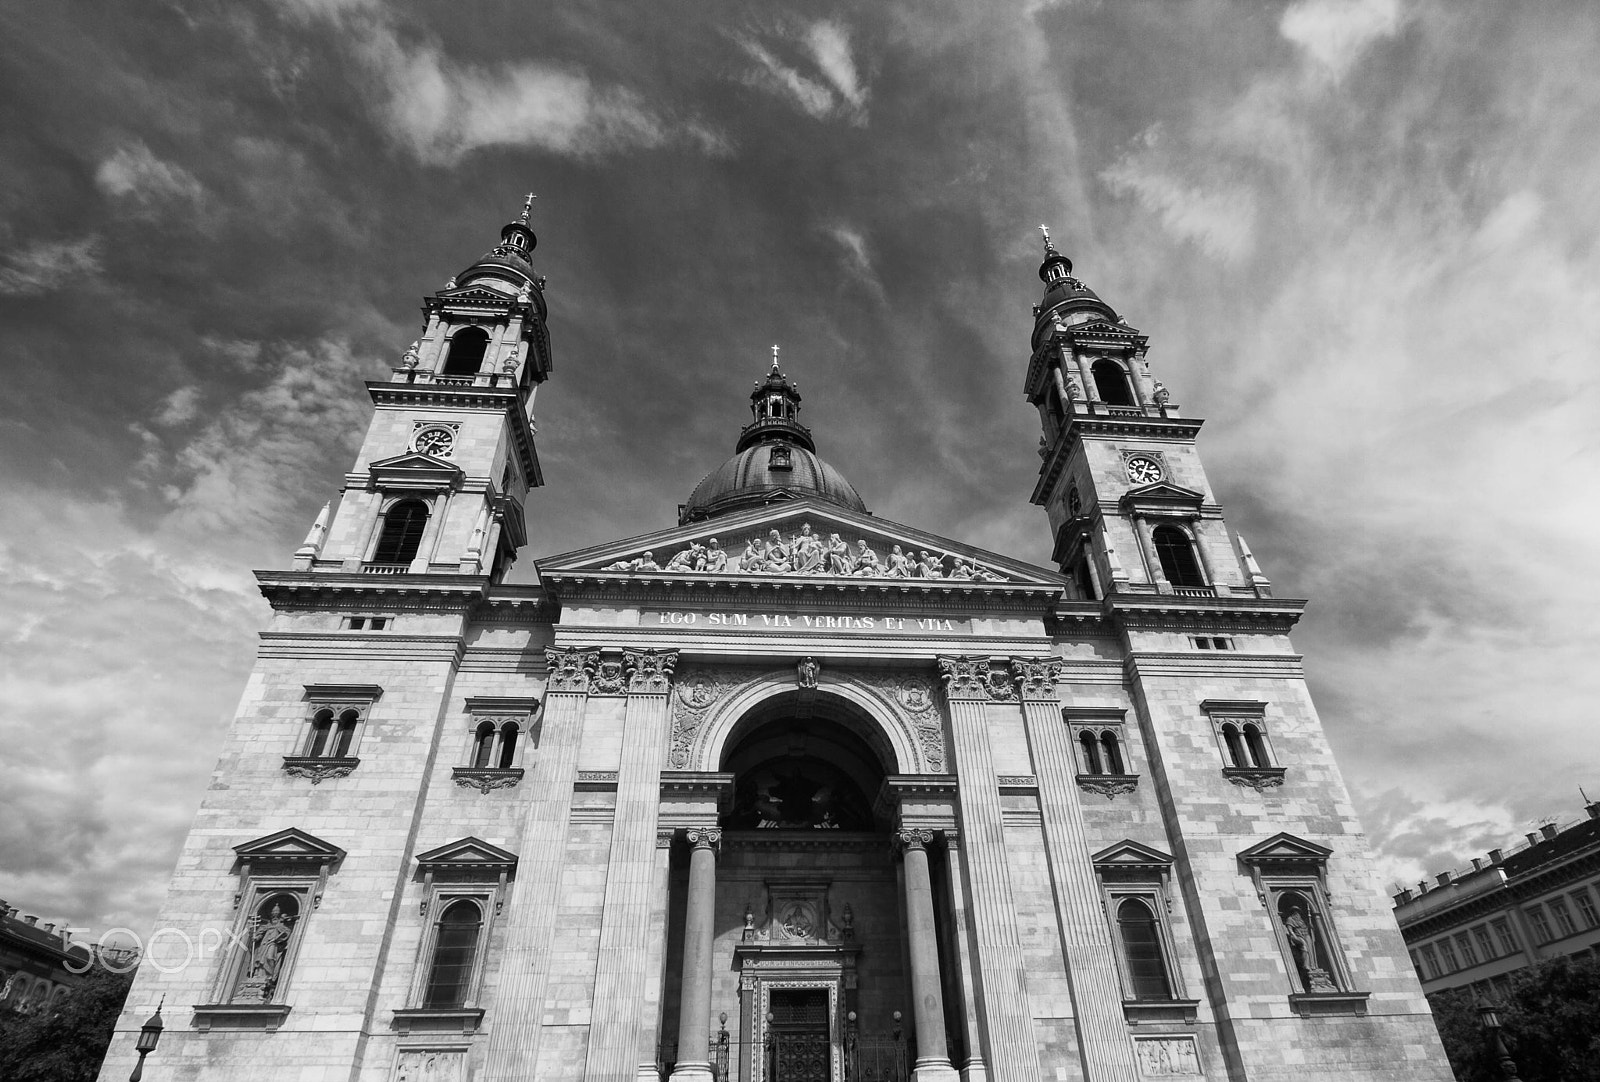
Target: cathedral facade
{"type": "Point", "coordinates": [782, 792]}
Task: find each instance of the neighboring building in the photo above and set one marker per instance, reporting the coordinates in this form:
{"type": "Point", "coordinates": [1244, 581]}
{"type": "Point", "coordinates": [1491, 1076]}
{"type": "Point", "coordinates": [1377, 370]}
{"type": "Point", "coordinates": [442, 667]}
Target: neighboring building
{"type": "Point", "coordinates": [1509, 910]}
{"type": "Point", "coordinates": [38, 963]}
{"type": "Point", "coordinates": [886, 801]}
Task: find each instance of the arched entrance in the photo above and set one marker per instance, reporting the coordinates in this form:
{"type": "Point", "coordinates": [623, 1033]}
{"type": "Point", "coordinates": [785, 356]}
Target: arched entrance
{"type": "Point", "coordinates": [809, 956]}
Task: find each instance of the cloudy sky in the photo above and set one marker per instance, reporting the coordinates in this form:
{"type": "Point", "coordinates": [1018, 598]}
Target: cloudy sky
{"type": "Point", "coordinates": [1360, 233]}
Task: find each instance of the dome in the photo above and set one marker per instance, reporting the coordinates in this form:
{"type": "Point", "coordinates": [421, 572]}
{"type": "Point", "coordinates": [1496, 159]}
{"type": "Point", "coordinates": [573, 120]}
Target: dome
{"type": "Point", "coordinates": [749, 479]}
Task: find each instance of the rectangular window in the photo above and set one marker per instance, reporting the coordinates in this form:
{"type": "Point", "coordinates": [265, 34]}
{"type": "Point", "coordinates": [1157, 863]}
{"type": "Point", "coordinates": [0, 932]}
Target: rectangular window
{"type": "Point", "coordinates": [1541, 924]}
{"type": "Point", "coordinates": [1485, 944]}
{"type": "Point", "coordinates": [1563, 915]}
{"type": "Point", "coordinates": [367, 623]}
{"type": "Point", "coordinates": [1211, 642]}
{"type": "Point", "coordinates": [1469, 956]}
{"type": "Point", "coordinates": [1585, 904]}
{"type": "Point", "coordinates": [1503, 932]}
{"type": "Point", "coordinates": [1447, 954]}
{"type": "Point", "coordinates": [1418, 965]}
{"type": "Point", "coordinates": [1431, 961]}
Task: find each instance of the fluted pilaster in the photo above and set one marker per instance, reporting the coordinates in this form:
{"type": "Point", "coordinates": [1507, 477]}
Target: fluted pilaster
{"type": "Point", "coordinates": [618, 1029]}
{"type": "Point", "coordinates": [971, 684]}
{"type": "Point", "coordinates": [530, 926]}
{"type": "Point", "coordinates": [1085, 938]}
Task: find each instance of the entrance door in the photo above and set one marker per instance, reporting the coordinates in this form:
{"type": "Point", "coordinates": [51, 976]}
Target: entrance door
{"type": "Point", "coordinates": [797, 1032]}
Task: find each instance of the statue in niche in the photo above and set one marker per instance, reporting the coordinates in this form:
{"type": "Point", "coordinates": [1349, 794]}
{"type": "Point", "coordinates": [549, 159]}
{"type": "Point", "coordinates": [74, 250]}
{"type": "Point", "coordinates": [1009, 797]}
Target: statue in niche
{"type": "Point", "coordinates": [808, 670]}
{"type": "Point", "coordinates": [715, 558]}
{"type": "Point", "coordinates": [1301, 932]}
{"type": "Point", "coordinates": [865, 562]}
{"type": "Point", "coordinates": [268, 945]}
{"type": "Point", "coordinates": [848, 920]}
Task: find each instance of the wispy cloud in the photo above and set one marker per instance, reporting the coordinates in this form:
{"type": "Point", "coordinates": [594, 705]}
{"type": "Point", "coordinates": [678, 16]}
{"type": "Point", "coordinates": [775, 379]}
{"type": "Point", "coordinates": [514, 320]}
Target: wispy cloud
{"type": "Point", "coordinates": [855, 258]}
{"type": "Point", "coordinates": [1334, 33]}
{"type": "Point", "coordinates": [143, 182]}
{"type": "Point", "coordinates": [1221, 220]}
{"type": "Point", "coordinates": [835, 90]}
{"type": "Point", "coordinates": [47, 265]}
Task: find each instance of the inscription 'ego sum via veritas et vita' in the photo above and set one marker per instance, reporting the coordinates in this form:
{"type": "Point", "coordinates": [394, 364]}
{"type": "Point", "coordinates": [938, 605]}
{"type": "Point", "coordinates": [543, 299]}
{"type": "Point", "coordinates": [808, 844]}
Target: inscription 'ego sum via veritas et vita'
{"type": "Point", "coordinates": [801, 621]}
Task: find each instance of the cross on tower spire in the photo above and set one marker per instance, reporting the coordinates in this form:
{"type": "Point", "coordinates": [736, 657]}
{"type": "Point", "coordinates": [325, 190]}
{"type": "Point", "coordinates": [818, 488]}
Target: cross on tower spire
{"type": "Point", "coordinates": [774, 358]}
{"type": "Point", "coordinates": [527, 208]}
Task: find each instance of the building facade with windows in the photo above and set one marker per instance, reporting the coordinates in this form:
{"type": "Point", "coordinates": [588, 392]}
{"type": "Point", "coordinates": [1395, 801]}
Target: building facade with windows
{"type": "Point", "coordinates": [39, 963]}
{"type": "Point", "coordinates": [783, 791]}
{"type": "Point", "coordinates": [1514, 908]}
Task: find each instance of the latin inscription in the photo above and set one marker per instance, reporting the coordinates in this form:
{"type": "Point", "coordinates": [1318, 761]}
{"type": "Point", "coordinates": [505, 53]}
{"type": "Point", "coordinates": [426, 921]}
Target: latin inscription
{"type": "Point", "coordinates": [802, 621]}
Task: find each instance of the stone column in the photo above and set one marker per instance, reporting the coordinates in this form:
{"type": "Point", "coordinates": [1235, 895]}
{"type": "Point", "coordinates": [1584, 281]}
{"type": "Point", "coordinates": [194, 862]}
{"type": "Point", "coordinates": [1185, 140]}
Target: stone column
{"type": "Point", "coordinates": [1086, 945]}
{"type": "Point", "coordinates": [974, 1069]}
{"type": "Point", "coordinates": [1141, 531]}
{"type": "Point", "coordinates": [617, 1030]}
{"type": "Point", "coordinates": [513, 1052]}
{"type": "Point", "coordinates": [927, 998]}
{"type": "Point", "coordinates": [970, 685]}
{"type": "Point", "coordinates": [699, 933]}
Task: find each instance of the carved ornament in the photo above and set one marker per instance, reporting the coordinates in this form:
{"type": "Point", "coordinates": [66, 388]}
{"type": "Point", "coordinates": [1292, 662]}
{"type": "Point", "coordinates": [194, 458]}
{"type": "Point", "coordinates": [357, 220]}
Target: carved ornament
{"type": "Point", "coordinates": [1258, 778]}
{"type": "Point", "coordinates": [570, 668]}
{"type": "Point", "coordinates": [1036, 677]}
{"type": "Point", "coordinates": [1109, 786]}
{"type": "Point", "coordinates": [703, 837]}
{"type": "Point", "coordinates": [485, 779]}
{"type": "Point", "coordinates": [916, 695]}
{"type": "Point", "coordinates": [696, 693]}
{"type": "Point", "coordinates": [975, 678]}
{"type": "Point", "coordinates": [649, 671]}
{"type": "Point", "coordinates": [608, 677]}
{"type": "Point", "coordinates": [808, 553]}
{"type": "Point", "coordinates": [913, 839]}
{"type": "Point", "coordinates": [318, 769]}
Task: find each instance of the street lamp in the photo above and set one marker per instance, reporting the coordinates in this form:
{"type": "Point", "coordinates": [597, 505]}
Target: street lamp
{"type": "Point", "coordinates": [149, 1037]}
{"type": "Point", "coordinates": [1489, 1018]}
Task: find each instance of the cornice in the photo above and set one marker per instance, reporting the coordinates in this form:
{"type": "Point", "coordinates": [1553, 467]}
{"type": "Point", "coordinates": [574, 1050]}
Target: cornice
{"type": "Point", "coordinates": [434, 592]}
{"type": "Point", "coordinates": [1170, 611]}
{"type": "Point", "coordinates": [943, 596]}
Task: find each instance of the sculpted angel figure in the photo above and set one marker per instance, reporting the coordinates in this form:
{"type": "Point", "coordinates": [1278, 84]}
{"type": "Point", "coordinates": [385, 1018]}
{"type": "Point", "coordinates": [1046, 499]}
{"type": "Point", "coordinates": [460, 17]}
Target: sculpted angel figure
{"type": "Point", "coordinates": [777, 553]}
{"type": "Point", "coordinates": [838, 554]}
{"type": "Point", "coordinates": [866, 562]}
{"type": "Point", "coordinates": [715, 559]}
{"type": "Point", "coordinates": [898, 567]}
{"type": "Point", "coordinates": [807, 551]}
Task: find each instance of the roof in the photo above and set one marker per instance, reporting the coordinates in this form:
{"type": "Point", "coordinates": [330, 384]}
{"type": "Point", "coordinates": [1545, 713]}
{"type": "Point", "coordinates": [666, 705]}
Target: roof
{"type": "Point", "coordinates": [766, 472]}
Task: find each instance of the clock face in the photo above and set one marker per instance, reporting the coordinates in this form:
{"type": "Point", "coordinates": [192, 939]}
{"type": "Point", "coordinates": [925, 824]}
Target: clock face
{"type": "Point", "coordinates": [1143, 470]}
{"type": "Point", "coordinates": [435, 441]}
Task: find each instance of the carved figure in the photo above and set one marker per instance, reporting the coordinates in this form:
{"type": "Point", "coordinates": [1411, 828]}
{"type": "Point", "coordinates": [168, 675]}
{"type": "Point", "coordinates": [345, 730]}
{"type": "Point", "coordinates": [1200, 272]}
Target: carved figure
{"type": "Point", "coordinates": [646, 563]}
{"type": "Point", "coordinates": [525, 294]}
{"type": "Point", "coordinates": [619, 565]}
{"type": "Point", "coordinates": [1074, 392]}
{"type": "Point", "coordinates": [450, 283]}
{"type": "Point", "coordinates": [837, 554]}
{"type": "Point", "coordinates": [715, 558]}
{"type": "Point", "coordinates": [897, 566]}
{"type": "Point", "coordinates": [749, 923]}
{"type": "Point", "coordinates": [807, 549]}
{"type": "Point", "coordinates": [690, 559]}
{"type": "Point", "coordinates": [1161, 393]}
{"type": "Point", "coordinates": [932, 566]}
{"type": "Point", "coordinates": [777, 556]}
{"type": "Point", "coordinates": [865, 562]}
{"type": "Point", "coordinates": [963, 570]}
{"type": "Point", "coordinates": [752, 560]}
{"type": "Point", "coordinates": [413, 355]}
{"type": "Point", "coordinates": [1302, 936]}
{"type": "Point", "coordinates": [269, 943]}
{"type": "Point", "coordinates": [808, 670]}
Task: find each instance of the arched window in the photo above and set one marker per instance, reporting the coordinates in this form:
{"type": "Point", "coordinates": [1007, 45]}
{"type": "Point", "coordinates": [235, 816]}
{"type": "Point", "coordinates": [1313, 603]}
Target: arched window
{"type": "Point", "coordinates": [348, 720]}
{"type": "Point", "coordinates": [483, 744]}
{"type": "Point", "coordinates": [1176, 553]}
{"type": "Point", "coordinates": [1141, 947]}
{"type": "Point", "coordinates": [402, 530]}
{"type": "Point", "coordinates": [467, 348]}
{"type": "Point", "coordinates": [321, 733]}
{"type": "Point", "coordinates": [1091, 753]}
{"type": "Point", "coordinates": [1113, 752]}
{"type": "Point", "coordinates": [1235, 745]}
{"type": "Point", "coordinates": [455, 947]}
{"type": "Point", "coordinates": [1257, 745]}
{"type": "Point", "coordinates": [508, 744]}
{"type": "Point", "coordinates": [1112, 383]}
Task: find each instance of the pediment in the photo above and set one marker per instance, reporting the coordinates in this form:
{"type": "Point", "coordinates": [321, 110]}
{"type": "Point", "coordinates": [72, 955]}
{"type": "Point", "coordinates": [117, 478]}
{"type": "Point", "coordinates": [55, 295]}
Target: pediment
{"type": "Point", "coordinates": [1286, 849]}
{"type": "Point", "coordinates": [1164, 490]}
{"type": "Point", "coordinates": [1103, 327]}
{"type": "Point", "coordinates": [415, 469]}
{"type": "Point", "coordinates": [798, 541]}
{"type": "Point", "coordinates": [467, 856]}
{"type": "Point", "coordinates": [474, 293]}
{"type": "Point", "coordinates": [1131, 854]}
{"type": "Point", "coordinates": [289, 847]}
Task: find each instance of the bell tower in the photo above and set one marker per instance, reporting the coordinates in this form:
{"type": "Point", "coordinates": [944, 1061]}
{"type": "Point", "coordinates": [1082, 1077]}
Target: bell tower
{"type": "Point", "coordinates": [440, 483]}
{"type": "Point", "coordinates": [1129, 504]}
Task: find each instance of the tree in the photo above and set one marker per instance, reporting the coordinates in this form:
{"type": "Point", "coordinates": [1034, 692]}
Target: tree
{"type": "Point", "coordinates": [1552, 1025]}
{"type": "Point", "coordinates": [64, 1043]}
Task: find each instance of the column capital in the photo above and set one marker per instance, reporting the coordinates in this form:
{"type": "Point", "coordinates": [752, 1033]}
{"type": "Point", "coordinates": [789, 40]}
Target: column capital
{"type": "Point", "coordinates": [917, 838]}
{"type": "Point", "coordinates": [1036, 676]}
{"type": "Point", "coordinates": [703, 837]}
{"type": "Point", "coordinates": [974, 678]}
{"type": "Point", "coordinates": [570, 668]}
{"type": "Point", "coordinates": [649, 671]}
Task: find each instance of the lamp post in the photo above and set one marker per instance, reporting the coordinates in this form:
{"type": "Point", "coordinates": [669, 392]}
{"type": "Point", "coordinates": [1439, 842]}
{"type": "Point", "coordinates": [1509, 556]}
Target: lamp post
{"type": "Point", "coordinates": [149, 1037]}
{"type": "Point", "coordinates": [1489, 1017]}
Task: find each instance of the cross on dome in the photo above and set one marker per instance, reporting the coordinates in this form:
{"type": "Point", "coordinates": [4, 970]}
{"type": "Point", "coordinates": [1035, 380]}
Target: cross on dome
{"type": "Point", "coordinates": [527, 208]}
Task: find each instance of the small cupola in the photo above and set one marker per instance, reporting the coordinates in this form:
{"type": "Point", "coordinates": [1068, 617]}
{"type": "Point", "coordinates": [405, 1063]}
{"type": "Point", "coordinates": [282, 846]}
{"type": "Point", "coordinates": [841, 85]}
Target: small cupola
{"type": "Point", "coordinates": [508, 267]}
{"type": "Point", "coordinates": [775, 412]}
{"type": "Point", "coordinates": [1066, 299]}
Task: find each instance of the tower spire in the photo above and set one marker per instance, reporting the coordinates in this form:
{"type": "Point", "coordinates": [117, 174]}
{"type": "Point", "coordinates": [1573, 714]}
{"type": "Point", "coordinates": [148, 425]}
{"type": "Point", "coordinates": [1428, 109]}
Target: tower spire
{"type": "Point", "coordinates": [527, 208]}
